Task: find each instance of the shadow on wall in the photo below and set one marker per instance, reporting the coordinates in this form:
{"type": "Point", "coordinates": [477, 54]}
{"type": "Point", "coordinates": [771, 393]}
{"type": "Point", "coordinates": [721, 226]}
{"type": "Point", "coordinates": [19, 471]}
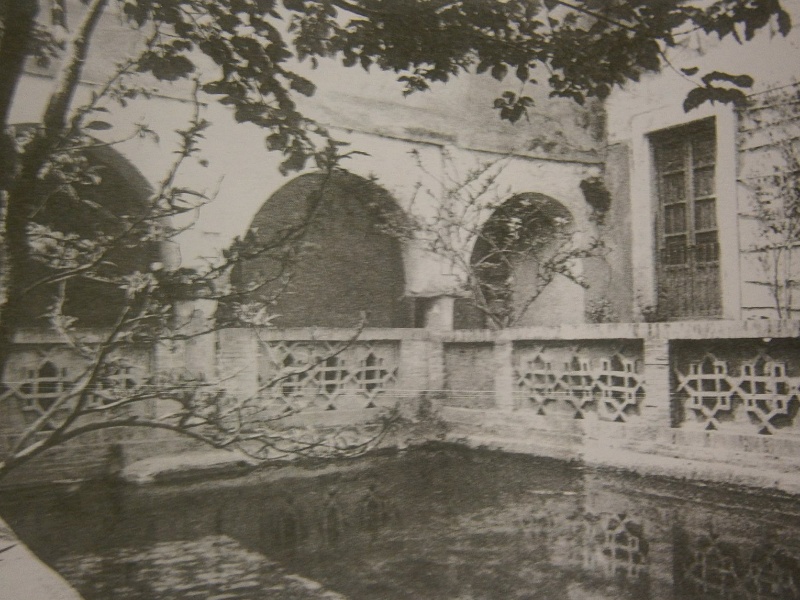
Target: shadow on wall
{"type": "Point", "coordinates": [338, 262]}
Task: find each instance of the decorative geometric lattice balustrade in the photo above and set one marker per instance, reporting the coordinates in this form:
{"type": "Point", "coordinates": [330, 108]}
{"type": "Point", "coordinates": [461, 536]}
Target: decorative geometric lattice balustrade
{"type": "Point", "coordinates": [577, 380]}
{"type": "Point", "coordinates": [43, 377]}
{"type": "Point", "coordinates": [37, 379]}
{"type": "Point", "coordinates": [313, 376]}
{"type": "Point", "coordinates": [739, 392]}
{"type": "Point", "coordinates": [616, 544]}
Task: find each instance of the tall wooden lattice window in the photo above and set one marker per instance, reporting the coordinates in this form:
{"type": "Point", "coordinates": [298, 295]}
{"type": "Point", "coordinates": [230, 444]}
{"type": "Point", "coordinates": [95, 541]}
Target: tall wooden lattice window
{"type": "Point", "coordinates": [686, 224]}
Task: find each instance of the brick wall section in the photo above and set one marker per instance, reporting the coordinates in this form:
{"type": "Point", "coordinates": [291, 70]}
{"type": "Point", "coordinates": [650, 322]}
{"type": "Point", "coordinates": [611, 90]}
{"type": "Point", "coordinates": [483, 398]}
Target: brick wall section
{"type": "Point", "coordinates": [347, 266]}
{"type": "Point", "coordinates": [470, 375]}
{"type": "Point", "coordinates": [413, 373]}
{"type": "Point", "coordinates": [652, 440]}
{"type": "Point", "coordinates": [504, 379]}
{"type": "Point", "coordinates": [656, 407]}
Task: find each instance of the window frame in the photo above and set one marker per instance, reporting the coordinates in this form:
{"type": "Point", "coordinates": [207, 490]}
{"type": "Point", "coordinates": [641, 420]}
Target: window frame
{"type": "Point", "coordinates": [644, 201]}
{"type": "Point", "coordinates": [696, 262]}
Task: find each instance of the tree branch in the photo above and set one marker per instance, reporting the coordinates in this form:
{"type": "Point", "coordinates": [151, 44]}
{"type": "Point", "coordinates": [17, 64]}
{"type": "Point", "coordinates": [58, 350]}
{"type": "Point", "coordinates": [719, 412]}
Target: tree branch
{"type": "Point", "coordinates": [55, 115]}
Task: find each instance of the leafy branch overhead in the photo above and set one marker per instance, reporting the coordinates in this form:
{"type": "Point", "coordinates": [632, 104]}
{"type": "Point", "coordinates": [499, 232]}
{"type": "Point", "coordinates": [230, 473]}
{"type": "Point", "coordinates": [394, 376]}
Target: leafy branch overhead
{"type": "Point", "coordinates": [579, 48]}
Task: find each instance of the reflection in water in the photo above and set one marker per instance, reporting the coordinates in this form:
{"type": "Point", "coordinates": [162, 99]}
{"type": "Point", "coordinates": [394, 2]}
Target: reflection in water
{"type": "Point", "coordinates": [616, 544]}
{"type": "Point", "coordinates": [284, 527]}
{"type": "Point", "coordinates": [720, 566]}
{"type": "Point", "coordinates": [435, 523]}
{"type": "Point", "coordinates": [331, 522]}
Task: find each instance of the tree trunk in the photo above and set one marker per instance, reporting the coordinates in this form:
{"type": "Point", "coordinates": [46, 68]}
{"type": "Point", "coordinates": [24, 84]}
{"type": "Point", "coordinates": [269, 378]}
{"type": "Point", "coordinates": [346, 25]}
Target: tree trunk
{"type": "Point", "coordinates": [20, 18]}
{"type": "Point", "coordinates": [18, 26]}
{"type": "Point", "coordinates": [20, 193]}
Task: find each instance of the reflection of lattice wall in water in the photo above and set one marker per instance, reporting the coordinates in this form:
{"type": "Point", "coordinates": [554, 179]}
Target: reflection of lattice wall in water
{"type": "Point", "coordinates": [313, 376]}
{"type": "Point", "coordinates": [711, 566]}
{"type": "Point", "coordinates": [42, 380]}
{"type": "Point", "coordinates": [616, 544]}
{"type": "Point", "coordinates": [324, 516]}
{"type": "Point", "coordinates": [740, 386]}
{"type": "Point", "coordinates": [578, 378]}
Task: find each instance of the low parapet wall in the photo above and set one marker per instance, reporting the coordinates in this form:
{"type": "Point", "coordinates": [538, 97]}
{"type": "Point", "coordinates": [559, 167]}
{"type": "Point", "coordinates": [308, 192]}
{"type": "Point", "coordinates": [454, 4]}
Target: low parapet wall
{"type": "Point", "coordinates": [697, 399]}
{"type": "Point", "coordinates": [703, 400]}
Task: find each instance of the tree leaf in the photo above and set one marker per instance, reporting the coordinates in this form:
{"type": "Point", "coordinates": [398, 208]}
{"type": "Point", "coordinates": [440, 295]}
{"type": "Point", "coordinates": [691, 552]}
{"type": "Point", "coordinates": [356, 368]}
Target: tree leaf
{"type": "Point", "coordinates": [744, 81]}
{"type": "Point", "coordinates": [499, 71]}
{"type": "Point", "coordinates": [98, 125]}
{"type": "Point", "coordinates": [711, 93]}
{"type": "Point", "coordinates": [784, 22]}
{"type": "Point", "coordinates": [303, 86]}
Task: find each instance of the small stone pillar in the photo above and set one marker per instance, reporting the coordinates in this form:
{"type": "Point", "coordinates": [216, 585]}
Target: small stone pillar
{"type": "Point", "coordinates": [504, 374]}
{"type": "Point", "coordinates": [656, 407]}
{"type": "Point", "coordinates": [414, 369]}
{"type": "Point", "coordinates": [195, 319]}
{"type": "Point", "coordinates": [237, 361]}
{"type": "Point", "coordinates": [414, 365]}
{"type": "Point", "coordinates": [439, 314]}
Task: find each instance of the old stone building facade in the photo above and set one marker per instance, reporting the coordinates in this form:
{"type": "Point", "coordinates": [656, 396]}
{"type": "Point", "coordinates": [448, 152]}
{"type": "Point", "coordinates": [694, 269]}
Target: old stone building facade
{"type": "Point", "coordinates": [680, 243]}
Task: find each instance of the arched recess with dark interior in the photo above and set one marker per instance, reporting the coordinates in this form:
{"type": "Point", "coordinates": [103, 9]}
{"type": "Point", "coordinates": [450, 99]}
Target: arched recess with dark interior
{"type": "Point", "coordinates": [338, 260]}
{"type": "Point", "coordinates": [118, 196]}
{"type": "Point", "coordinates": [509, 286]}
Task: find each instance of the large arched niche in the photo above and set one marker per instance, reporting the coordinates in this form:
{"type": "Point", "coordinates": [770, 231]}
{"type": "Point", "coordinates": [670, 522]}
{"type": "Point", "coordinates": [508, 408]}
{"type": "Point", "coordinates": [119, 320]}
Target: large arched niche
{"type": "Point", "coordinates": [506, 258]}
{"type": "Point", "coordinates": [348, 263]}
{"type": "Point", "coordinates": [121, 192]}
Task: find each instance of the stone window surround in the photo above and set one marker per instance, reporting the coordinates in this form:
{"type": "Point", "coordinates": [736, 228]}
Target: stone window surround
{"type": "Point", "coordinates": [644, 201]}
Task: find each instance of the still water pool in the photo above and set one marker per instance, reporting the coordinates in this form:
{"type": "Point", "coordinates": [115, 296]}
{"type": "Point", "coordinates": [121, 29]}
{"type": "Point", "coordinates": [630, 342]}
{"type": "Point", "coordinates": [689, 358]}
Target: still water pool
{"type": "Point", "coordinates": [437, 522]}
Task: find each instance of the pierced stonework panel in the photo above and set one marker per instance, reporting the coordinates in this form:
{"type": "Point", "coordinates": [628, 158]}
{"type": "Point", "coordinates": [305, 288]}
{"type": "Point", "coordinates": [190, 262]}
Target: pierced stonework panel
{"type": "Point", "coordinates": [742, 387]}
{"type": "Point", "coordinates": [314, 376]}
{"type": "Point", "coordinates": [37, 378]}
{"type": "Point", "coordinates": [41, 388]}
{"type": "Point", "coordinates": [575, 380]}
{"type": "Point", "coordinates": [42, 377]}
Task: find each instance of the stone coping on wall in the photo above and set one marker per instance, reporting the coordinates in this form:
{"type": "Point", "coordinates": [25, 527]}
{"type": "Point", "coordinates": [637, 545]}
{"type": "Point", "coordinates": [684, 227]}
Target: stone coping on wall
{"type": "Point", "coordinates": [186, 465]}
{"type": "Point", "coordinates": [679, 330]}
{"type": "Point", "coordinates": [688, 330]}
{"type": "Point", "coordinates": [642, 463]}
{"type": "Point", "coordinates": [684, 330]}
{"type": "Point", "coordinates": [335, 334]}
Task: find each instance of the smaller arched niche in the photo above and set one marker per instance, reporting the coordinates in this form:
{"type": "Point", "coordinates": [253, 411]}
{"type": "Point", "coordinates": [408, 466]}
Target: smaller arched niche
{"type": "Point", "coordinates": [343, 261]}
{"type": "Point", "coordinates": [118, 196]}
{"type": "Point", "coordinates": [508, 260]}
